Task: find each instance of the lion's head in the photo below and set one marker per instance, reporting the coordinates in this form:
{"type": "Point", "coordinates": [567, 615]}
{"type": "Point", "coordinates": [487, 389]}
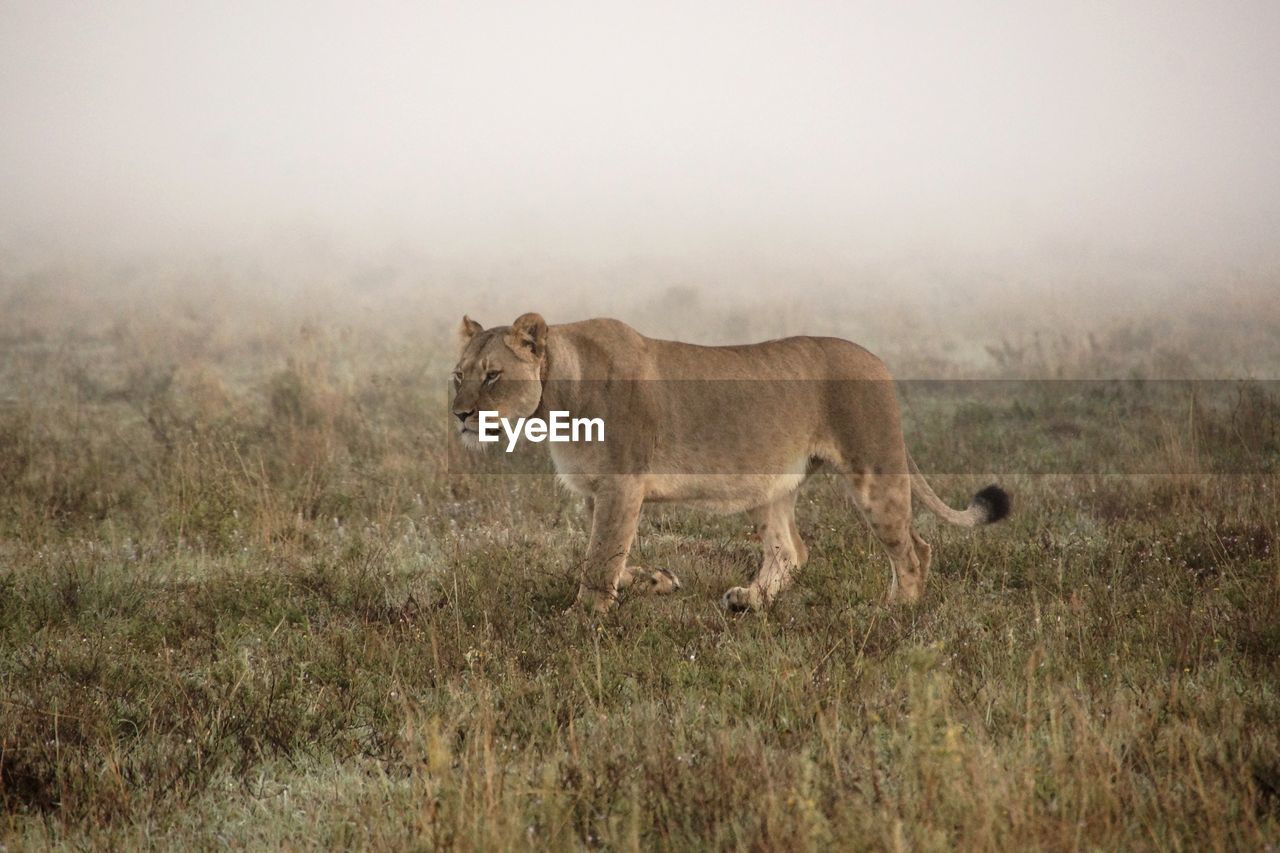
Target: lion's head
{"type": "Point", "coordinates": [498, 370]}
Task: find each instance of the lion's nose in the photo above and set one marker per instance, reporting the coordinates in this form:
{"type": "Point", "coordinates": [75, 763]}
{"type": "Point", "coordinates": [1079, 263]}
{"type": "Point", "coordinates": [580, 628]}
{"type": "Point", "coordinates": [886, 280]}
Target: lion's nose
{"type": "Point", "coordinates": [462, 416]}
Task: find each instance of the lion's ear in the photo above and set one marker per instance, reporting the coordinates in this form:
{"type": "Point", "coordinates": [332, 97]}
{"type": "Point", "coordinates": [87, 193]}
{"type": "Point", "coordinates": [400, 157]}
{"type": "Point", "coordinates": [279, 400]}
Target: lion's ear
{"type": "Point", "coordinates": [467, 330]}
{"type": "Point", "coordinates": [528, 336]}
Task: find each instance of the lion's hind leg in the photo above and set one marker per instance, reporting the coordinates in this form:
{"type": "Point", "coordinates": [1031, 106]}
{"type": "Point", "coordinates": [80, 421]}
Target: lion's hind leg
{"type": "Point", "coordinates": [802, 550]}
{"type": "Point", "coordinates": [885, 502]}
{"type": "Point", "coordinates": [783, 553]}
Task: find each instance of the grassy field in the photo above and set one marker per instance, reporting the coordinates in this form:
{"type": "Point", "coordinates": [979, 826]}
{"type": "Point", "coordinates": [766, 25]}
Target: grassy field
{"type": "Point", "coordinates": [245, 600]}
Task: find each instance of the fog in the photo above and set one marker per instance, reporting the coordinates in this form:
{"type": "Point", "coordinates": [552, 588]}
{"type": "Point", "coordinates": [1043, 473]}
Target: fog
{"type": "Point", "coordinates": [1000, 137]}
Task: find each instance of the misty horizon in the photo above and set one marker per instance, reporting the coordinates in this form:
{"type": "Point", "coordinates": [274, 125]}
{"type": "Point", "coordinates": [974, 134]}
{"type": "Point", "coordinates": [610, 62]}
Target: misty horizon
{"type": "Point", "coordinates": [823, 137]}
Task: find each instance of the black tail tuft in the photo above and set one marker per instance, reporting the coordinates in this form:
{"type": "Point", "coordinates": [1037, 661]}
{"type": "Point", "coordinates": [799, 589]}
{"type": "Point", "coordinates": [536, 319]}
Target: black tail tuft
{"type": "Point", "coordinates": [994, 502]}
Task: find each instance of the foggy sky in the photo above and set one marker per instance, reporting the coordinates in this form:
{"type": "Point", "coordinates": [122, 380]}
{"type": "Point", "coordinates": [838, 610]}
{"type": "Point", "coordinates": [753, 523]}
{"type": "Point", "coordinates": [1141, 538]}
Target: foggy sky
{"type": "Point", "coordinates": [593, 129]}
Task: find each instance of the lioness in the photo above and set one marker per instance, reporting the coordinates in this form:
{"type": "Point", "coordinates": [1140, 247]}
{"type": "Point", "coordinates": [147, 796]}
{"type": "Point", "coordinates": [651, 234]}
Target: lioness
{"type": "Point", "coordinates": [729, 429]}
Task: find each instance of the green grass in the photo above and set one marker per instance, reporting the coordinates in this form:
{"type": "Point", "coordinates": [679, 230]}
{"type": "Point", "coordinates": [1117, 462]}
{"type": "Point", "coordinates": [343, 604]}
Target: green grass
{"type": "Point", "coordinates": [244, 601]}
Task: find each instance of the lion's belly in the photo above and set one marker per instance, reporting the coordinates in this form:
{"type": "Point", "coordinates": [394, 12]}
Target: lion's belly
{"type": "Point", "coordinates": [721, 493]}
{"type": "Point", "coordinates": [718, 493]}
{"type": "Point", "coordinates": [714, 491]}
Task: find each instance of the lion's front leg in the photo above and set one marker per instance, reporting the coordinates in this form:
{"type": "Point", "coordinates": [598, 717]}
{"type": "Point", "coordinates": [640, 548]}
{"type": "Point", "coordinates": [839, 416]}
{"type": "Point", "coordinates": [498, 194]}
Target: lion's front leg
{"type": "Point", "coordinates": [614, 517]}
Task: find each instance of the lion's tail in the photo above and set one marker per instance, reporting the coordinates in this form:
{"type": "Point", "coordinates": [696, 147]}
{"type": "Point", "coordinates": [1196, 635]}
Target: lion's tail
{"type": "Point", "coordinates": [987, 506]}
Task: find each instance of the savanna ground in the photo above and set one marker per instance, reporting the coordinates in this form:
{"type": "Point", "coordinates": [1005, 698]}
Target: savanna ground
{"type": "Point", "coordinates": [246, 599]}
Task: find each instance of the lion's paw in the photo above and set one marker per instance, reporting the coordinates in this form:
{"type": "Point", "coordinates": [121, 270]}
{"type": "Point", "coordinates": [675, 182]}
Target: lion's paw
{"type": "Point", "coordinates": [641, 581]}
{"type": "Point", "coordinates": [659, 582]}
{"type": "Point", "coordinates": [741, 598]}
{"type": "Point", "coordinates": [593, 602]}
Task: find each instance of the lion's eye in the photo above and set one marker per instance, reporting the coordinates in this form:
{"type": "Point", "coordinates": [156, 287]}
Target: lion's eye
{"type": "Point", "coordinates": [457, 380]}
{"type": "Point", "coordinates": [492, 377]}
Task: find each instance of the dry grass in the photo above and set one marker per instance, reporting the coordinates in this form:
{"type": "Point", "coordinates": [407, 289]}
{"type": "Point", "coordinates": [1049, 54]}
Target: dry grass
{"type": "Point", "coordinates": [244, 601]}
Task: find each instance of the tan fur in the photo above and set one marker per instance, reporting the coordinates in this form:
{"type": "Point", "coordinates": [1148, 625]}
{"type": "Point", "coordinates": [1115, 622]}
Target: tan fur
{"type": "Point", "coordinates": [727, 429]}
